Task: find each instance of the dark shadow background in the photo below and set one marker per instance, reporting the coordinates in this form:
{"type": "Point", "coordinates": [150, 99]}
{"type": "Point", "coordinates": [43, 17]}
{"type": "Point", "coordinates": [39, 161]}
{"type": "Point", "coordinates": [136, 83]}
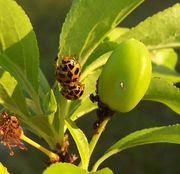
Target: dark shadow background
{"type": "Point", "coordinates": [47, 17]}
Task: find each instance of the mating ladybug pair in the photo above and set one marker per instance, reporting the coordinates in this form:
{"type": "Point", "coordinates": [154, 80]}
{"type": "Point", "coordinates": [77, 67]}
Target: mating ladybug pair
{"type": "Point", "coordinates": [68, 74]}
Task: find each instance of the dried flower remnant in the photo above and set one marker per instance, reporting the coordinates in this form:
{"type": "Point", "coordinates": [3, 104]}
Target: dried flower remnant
{"type": "Point", "coordinates": [64, 155]}
{"type": "Point", "coordinates": [10, 131]}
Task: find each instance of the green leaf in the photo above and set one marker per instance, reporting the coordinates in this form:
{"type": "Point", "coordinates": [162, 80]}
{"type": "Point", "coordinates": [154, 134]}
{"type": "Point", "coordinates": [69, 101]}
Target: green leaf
{"type": "Point", "coordinates": [67, 168]}
{"type": "Point", "coordinates": [164, 134]}
{"type": "Point", "coordinates": [44, 85]}
{"type": "Point", "coordinates": [74, 1]}
{"type": "Point", "coordinates": [103, 171]}
{"type": "Point", "coordinates": [99, 57]}
{"type": "Point", "coordinates": [116, 33]}
{"type": "Point", "coordinates": [82, 32]}
{"type": "Point", "coordinates": [43, 126]}
{"type": "Point", "coordinates": [108, 45]}
{"type": "Point", "coordinates": [43, 123]}
{"type": "Point", "coordinates": [163, 91]}
{"type": "Point", "coordinates": [18, 44]}
{"type": "Point", "coordinates": [83, 109]}
{"type": "Point", "coordinates": [64, 168]}
{"type": "Point", "coordinates": [165, 72]}
{"type": "Point", "coordinates": [165, 57]}
{"type": "Point", "coordinates": [80, 140]}
{"type": "Point", "coordinates": [159, 31]}
{"type": "Point", "coordinates": [11, 95]}
{"type": "Point", "coordinates": [3, 170]}
{"type": "Point", "coordinates": [49, 102]}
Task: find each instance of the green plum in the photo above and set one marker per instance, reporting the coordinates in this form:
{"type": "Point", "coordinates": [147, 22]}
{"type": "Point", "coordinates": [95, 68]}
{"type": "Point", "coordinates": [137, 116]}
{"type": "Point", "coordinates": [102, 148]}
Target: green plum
{"type": "Point", "coordinates": [126, 76]}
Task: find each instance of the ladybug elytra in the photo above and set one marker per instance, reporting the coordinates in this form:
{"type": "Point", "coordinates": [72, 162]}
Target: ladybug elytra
{"type": "Point", "coordinates": [68, 71]}
{"type": "Point", "coordinates": [73, 91]}
{"type": "Point", "coordinates": [68, 74]}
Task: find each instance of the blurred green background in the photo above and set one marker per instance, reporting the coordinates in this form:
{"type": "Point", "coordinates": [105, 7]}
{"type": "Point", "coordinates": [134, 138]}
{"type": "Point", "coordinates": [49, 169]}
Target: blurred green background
{"type": "Point", "coordinates": [47, 17]}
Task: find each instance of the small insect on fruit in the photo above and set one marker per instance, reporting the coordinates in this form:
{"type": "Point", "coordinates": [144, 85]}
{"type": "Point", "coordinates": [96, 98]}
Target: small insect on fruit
{"type": "Point", "coordinates": [68, 71]}
{"type": "Point", "coordinates": [73, 91]}
{"type": "Point", "coordinates": [103, 111]}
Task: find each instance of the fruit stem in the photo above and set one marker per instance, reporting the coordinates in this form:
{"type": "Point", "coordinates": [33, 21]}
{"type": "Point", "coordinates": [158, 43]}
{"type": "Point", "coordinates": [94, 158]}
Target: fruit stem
{"type": "Point", "coordinates": [51, 155]}
{"type": "Point", "coordinates": [96, 136]}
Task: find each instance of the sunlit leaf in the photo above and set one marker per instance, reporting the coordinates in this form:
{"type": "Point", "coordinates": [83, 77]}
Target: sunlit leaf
{"type": "Point", "coordinates": [64, 168]}
{"type": "Point", "coordinates": [49, 102]}
{"type": "Point", "coordinates": [166, 57]}
{"type": "Point", "coordinates": [82, 32]}
{"type": "Point", "coordinates": [159, 31]}
{"type": "Point", "coordinates": [3, 170]}
{"type": "Point", "coordinates": [80, 140]}
{"type": "Point", "coordinates": [103, 171]}
{"type": "Point", "coordinates": [18, 45]}
{"type": "Point", "coordinates": [11, 95]}
{"type": "Point", "coordinates": [44, 85]}
{"type": "Point", "coordinates": [165, 72]}
{"type": "Point", "coordinates": [163, 91]}
{"type": "Point", "coordinates": [164, 134]}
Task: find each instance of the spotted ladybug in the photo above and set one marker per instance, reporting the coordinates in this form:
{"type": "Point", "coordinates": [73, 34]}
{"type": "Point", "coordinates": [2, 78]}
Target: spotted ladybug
{"type": "Point", "coordinates": [68, 71]}
{"type": "Point", "coordinates": [73, 91]}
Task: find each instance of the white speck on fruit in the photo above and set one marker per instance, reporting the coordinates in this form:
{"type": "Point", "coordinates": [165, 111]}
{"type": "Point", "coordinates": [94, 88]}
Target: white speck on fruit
{"type": "Point", "coordinates": [122, 85]}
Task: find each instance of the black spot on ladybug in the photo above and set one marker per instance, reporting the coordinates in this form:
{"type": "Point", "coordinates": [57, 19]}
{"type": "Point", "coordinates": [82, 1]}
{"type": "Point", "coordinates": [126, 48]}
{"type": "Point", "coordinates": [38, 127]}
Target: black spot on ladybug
{"type": "Point", "coordinates": [56, 58]}
{"type": "Point", "coordinates": [71, 93]}
{"type": "Point", "coordinates": [63, 90]}
{"type": "Point", "coordinates": [75, 79]}
{"type": "Point", "coordinates": [77, 70]}
{"type": "Point", "coordinates": [64, 68]}
{"type": "Point", "coordinates": [69, 74]}
{"type": "Point", "coordinates": [76, 91]}
{"type": "Point", "coordinates": [61, 75]}
{"type": "Point", "coordinates": [59, 80]}
{"type": "Point", "coordinates": [14, 121]}
{"type": "Point", "coordinates": [65, 61]}
{"type": "Point", "coordinates": [67, 81]}
{"type": "Point", "coordinates": [81, 93]}
{"type": "Point", "coordinates": [71, 66]}
{"type": "Point", "coordinates": [72, 87]}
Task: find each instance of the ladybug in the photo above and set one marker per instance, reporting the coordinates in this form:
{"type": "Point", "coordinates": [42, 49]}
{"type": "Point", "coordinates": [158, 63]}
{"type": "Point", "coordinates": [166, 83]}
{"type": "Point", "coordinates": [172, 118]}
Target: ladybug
{"type": "Point", "coordinates": [68, 71]}
{"type": "Point", "coordinates": [73, 91]}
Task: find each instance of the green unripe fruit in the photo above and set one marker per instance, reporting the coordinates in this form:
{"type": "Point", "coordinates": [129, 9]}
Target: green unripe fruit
{"type": "Point", "coordinates": [126, 76]}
